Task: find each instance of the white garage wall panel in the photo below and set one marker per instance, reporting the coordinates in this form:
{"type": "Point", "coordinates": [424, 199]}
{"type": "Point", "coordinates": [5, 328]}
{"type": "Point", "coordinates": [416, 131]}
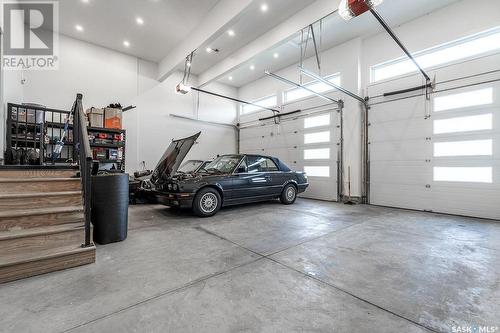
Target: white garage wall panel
{"type": "Point", "coordinates": [442, 155]}
{"type": "Point", "coordinates": [305, 143]}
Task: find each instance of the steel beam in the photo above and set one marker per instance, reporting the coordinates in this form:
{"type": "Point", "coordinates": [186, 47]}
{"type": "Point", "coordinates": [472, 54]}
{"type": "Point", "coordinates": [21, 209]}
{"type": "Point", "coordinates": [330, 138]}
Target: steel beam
{"type": "Point", "coordinates": [333, 85]}
{"type": "Point", "coordinates": [280, 78]}
{"type": "Point", "coordinates": [398, 41]}
{"type": "Point", "coordinates": [233, 99]}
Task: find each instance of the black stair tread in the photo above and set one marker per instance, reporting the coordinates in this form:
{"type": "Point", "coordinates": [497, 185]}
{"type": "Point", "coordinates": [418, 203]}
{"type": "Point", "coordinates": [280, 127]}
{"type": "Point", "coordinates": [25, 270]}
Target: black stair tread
{"type": "Point", "coordinates": [45, 230]}
{"type": "Point", "coordinates": [23, 257]}
{"type": "Point", "coordinates": [35, 180]}
{"type": "Point", "coordinates": [38, 194]}
{"type": "Point", "coordinates": [40, 211]}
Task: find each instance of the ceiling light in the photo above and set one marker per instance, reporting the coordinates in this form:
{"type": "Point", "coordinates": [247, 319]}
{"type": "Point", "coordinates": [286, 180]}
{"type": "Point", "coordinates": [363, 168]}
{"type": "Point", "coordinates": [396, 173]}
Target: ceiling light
{"type": "Point", "coordinates": [139, 21]}
{"type": "Point", "coordinates": [85, 1]}
{"type": "Point", "coordinates": [210, 50]}
{"type": "Point", "coordinates": [126, 43]}
{"type": "Point", "coordinates": [188, 64]}
{"type": "Point", "coordinates": [79, 27]}
{"type": "Point", "coordinates": [264, 7]}
{"type": "Point", "coordinates": [230, 78]}
{"type": "Point", "coordinates": [349, 9]}
{"type": "Point", "coordinates": [252, 67]}
{"type": "Point", "coordinates": [231, 33]}
{"type": "Point", "coordinates": [276, 55]}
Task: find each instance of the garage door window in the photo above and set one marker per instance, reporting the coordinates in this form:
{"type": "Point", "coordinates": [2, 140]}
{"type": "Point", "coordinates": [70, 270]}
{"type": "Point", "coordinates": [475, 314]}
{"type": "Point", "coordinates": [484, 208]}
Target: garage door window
{"type": "Point", "coordinates": [468, 47]}
{"type": "Point", "coordinates": [463, 124]}
{"type": "Point", "coordinates": [296, 94]}
{"type": "Point", "coordinates": [464, 148]}
{"type": "Point", "coordinates": [317, 171]}
{"type": "Point", "coordinates": [318, 137]}
{"type": "Point", "coordinates": [317, 154]}
{"type": "Point", "coordinates": [267, 102]}
{"type": "Point", "coordinates": [317, 121]}
{"type": "Point", "coordinates": [464, 174]}
{"type": "Point", "coordinates": [463, 100]}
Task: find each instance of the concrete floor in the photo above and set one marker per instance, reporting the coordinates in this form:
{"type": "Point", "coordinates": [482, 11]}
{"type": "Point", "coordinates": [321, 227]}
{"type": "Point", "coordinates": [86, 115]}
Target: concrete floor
{"type": "Point", "coordinates": [314, 266]}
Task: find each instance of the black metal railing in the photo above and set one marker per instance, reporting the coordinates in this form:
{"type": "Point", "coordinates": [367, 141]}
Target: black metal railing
{"type": "Point", "coordinates": [84, 157]}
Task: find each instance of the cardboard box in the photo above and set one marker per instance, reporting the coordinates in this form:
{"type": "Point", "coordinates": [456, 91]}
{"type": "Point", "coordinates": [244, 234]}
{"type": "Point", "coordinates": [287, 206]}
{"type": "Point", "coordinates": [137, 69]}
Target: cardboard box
{"type": "Point", "coordinates": [96, 117]}
{"type": "Point", "coordinates": [113, 118]}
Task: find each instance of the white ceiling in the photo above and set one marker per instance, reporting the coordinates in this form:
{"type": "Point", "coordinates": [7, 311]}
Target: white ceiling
{"type": "Point", "coordinates": [247, 26]}
{"type": "Point", "coordinates": [335, 32]}
{"type": "Point", "coordinates": [109, 22]}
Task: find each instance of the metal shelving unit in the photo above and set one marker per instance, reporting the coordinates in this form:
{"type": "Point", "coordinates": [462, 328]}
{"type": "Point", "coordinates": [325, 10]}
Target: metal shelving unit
{"type": "Point", "coordinates": [34, 127]}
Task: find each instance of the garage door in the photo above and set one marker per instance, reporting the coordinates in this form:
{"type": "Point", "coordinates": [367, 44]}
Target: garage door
{"type": "Point", "coordinates": [308, 142]}
{"type": "Point", "coordinates": [442, 155]}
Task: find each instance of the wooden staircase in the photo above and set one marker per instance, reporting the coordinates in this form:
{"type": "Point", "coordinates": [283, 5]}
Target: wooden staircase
{"type": "Point", "coordinates": [42, 224]}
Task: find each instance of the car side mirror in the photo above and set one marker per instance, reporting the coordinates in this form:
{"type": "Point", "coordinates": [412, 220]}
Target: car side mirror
{"type": "Point", "coordinates": [242, 169]}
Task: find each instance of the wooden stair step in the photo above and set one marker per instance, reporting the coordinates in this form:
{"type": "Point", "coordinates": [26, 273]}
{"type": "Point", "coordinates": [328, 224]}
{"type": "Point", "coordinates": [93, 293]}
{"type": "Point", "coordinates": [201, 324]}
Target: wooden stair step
{"type": "Point", "coordinates": [32, 218]}
{"type": "Point", "coordinates": [15, 201]}
{"type": "Point", "coordinates": [42, 262]}
{"type": "Point", "coordinates": [38, 172]}
{"type": "Point", "coordinates": [37, 185]}
{"type": "Point", "coordinates": [17, 242]}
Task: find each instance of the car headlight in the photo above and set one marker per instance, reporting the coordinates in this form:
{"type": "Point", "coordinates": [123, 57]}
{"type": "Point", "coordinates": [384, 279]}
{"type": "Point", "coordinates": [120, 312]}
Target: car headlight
{"type": "Point", "coordinates": [169, 187]}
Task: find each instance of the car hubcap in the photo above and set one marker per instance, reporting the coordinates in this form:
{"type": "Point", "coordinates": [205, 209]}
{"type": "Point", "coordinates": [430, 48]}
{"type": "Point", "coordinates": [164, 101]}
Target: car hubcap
{"type": "Point", "coordinates": [290, 193]}
{"type": "Point", "coordinates": [208, 202]}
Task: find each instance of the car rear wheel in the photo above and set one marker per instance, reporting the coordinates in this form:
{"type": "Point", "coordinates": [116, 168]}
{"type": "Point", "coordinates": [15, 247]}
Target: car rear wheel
{"type": "Point", "coordinates": [289, 195]}
{"type": "Point", "coordinates": [207, 202]}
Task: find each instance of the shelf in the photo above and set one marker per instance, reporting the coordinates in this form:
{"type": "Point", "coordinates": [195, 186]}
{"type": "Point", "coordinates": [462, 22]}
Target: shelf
{"type": "Point", "coordinates": [58, 125]}
{"type": "Point", "coordinates": [107, 145]}
{"type": "Point", "coordinates": [105, 130]}
{"type": "Point", "coordinates": [108, 161]}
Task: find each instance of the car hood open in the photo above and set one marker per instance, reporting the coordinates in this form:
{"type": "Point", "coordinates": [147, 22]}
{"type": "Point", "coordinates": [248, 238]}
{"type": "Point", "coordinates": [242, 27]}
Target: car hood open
{"type": "Point", "coordinates": [173, 157]}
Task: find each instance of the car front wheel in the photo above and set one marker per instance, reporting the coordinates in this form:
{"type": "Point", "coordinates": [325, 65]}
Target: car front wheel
{"type": "Point", "coordinates": [207, 202]}
{"type": "Point", "coordinates": [289, 195]}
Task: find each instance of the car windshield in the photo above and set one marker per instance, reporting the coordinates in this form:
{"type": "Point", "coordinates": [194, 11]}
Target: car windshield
{"type": "Point", "coordinates": [190, 166]}
{"type": "Point", "coordinates": [223, 164]}
{"type": "Point", "coordinates": [204, 166]}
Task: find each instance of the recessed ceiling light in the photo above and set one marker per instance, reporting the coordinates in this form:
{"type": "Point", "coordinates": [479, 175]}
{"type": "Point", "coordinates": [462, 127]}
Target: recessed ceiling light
{"type": "Point", "coordinates": [188, 64]}
{"type": "Point", "coordinates": [78, 27]}
{"type": "Point", "coordinates": [252, 67]}
{"type": "Point", "coordinates": [85, 1]}
{"type": "Point", "coordinates": [139, 21]}
{"type": "Point", "coordinates": [264, 7]}
{"type": "Point", "coordinates": [230, 78]}
{"type": "Point", "coordinates": [126, 43]}
{"type": "Point", "coordinates": [231, 33]}
{"type": "Point", "coordinates": [209, 50]}
{"type": "Point", "coordinates": [276, 55]}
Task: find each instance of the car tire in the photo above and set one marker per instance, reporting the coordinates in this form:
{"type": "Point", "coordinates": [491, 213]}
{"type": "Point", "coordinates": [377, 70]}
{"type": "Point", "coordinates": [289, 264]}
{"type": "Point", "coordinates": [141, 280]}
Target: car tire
{"type": "Point", "coordinates": [207, 202]}
{"type": "Point", "coordinates": [289, 195]}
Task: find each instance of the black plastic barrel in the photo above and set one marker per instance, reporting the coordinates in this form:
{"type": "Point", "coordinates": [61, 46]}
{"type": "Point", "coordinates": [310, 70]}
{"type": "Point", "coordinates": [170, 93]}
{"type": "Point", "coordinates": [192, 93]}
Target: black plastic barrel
{"type": "Point", "coordinates": [110, 207]}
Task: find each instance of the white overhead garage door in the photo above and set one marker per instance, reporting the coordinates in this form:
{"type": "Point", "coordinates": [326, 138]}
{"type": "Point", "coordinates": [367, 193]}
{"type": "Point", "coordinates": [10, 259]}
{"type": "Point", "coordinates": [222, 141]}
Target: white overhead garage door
{"type": "Point", "coordinates": [442, 155]}
{"type": "Point", "coordinates": [305, 142]}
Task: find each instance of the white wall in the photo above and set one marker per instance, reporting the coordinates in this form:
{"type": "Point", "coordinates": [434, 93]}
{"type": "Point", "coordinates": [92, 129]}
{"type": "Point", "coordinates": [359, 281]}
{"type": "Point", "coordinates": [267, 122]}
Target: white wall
{"type": "Point", "coordinates": [102, 75]}
{"type": "Point", "coordinates": [150, 126]}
